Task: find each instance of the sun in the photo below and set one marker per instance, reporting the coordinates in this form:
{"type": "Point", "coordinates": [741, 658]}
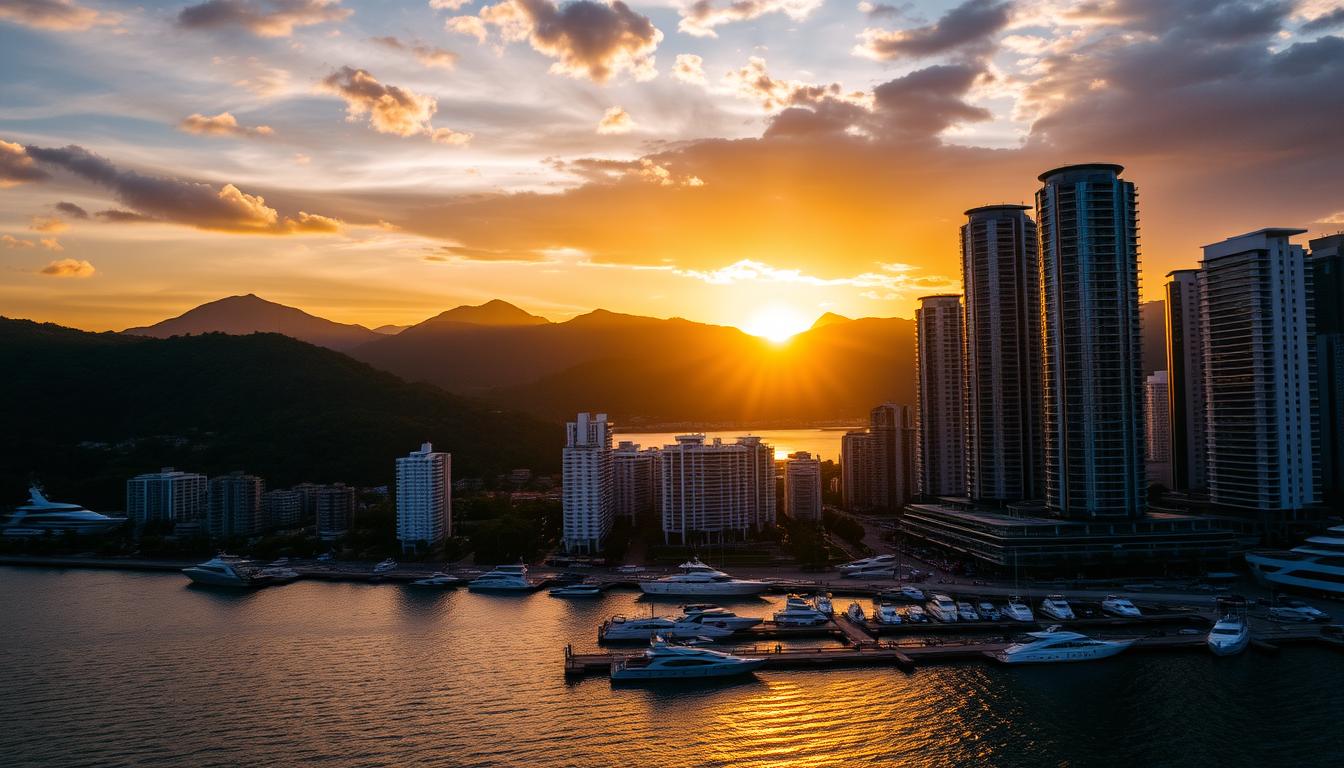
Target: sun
{"type": "Point", "coordinates": [776, 323]}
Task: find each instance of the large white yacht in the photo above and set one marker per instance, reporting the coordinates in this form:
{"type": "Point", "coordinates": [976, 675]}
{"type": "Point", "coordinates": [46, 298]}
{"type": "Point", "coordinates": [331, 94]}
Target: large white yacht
{"type": "Point", "coordinates": [696, 578]}
{"type": "Point", "coordinates": [1056, 607]}
{"type": "Point", "coordinates": [1230, 635]}
{"type": "Point", "coordinates": [942, 608]}
{"type": "Point", "coordinates": [505, 578]}
{"type": "Point", "coordinates": [1054, 645]}
{"type": "Point", "coordinates": [1120, 606]}
{"type": "Point", "coordinates": [723, 616]}
{"type": "Point", "coordinates": [223, 571]}
{"type": "Point", "coordinates": [1315, 567]}
{"type": "Point", "coordinates": [622, 628]}
{"type": "Point", "coordinates": [799, 613]}
{"type": "Point", "coordinates": [41, 516]}
{"type": "Point", "coordinates": [870, 567]}
{"type": "Point", "coordinates": [663, 661]}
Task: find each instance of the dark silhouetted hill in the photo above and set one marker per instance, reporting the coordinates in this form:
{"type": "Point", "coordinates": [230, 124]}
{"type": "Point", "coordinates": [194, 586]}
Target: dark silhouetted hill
{"type": "Point", "coordinates": [241, 315]}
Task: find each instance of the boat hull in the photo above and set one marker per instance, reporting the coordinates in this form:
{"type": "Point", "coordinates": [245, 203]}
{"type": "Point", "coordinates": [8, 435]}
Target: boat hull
{"type": "Point", "coordinates": [683, 589]}
{"type": "Point", "coordinates": [742, 667]}
{"type": "Point", "coordinates": [1047, 656]}
{"type": "Point", "coordinates": [208, 579]}
{"type": "Point", "coordinates": [1232, 648]}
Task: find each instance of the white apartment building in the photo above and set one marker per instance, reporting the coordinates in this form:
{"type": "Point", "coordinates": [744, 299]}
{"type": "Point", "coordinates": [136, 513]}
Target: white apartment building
{"type": "Point", "coordinates": [587, 493]}
{"type": "Point", "coordinates": [940, 461]}
{"type": "Point", "coordinates": [168, 495]}
{"type": "Point", "coordinates": [714, 491]}
{"type": "Point", "coordinates": [424, 497]}
{"type": "Point", "coordinates": [802, 487]}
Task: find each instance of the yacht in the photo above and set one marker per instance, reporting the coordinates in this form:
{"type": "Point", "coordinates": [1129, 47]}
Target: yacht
{"type": "Point", "coordinates": [274, 575]}
{"type": "Point", "coordinates": [822, 604]}
{"type": "Point", "coordinates": [1056, 607]}
{"type": "Point", "coordinates": [913, 593]}
{"type": "Point", "coordinates": [799, 613]}
{"type": "Point", "coordinates": [222, 571]}
{"type": "Point", "coordinates": [1120, 606]}
{"type": "Point", "coordinates": [504, 578]}
{"type": "Point", "coordinates": [966, 612]}
{"type": "Point", "coordinates": [881, 565]}
{"type": "Point", "coordinates": [916, 615]}
{"type": "Point", "coordinates": [577, 590]}
{"type": "Point", "coordinates": [942, 608]}
{"type": "Point", "coordinates": [1054, 645]}
{"type": "Point", "coordinates": [855, 613]}
{"type": "Point", "coordinates": [665, 661]}
{"type": "Point", "coordinates": [886, 614]}
{"type": "Point", "coordinates": [1310, 611]}
{"type": "Point", "coordinates": [438, 579]}
{"type": "Point", "coordinates": [39, 517]}
{"type": "Point", "coordinates": [696, 578]}
{"type": "Point", "coordinates": [988, 612]}
{"type": "Point", "coordinates": [387, 566]}
{"type": "Point", "coordinates": [621, 628]}
{"type": "Point", "coordinates": [1316, 567]}
{"type": "Point", "coordinates": [1230, 635]}
{"type": "Point", "coordinates": [719, 615]}
{"type": "Point", "coordinates": [1017, 609]}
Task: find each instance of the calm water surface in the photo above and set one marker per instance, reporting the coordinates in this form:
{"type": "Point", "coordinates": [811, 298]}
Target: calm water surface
{"type": "Point", "coordinates": [107, 668]}
{"type": "Point", "coordinates": [823, 443]}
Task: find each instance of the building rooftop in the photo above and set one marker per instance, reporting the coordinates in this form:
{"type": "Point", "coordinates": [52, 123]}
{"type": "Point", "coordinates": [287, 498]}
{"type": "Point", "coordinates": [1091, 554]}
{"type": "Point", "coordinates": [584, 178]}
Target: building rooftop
{"type": "Point", "coordinates": [998, 207]}
{"type": "Point", "coordinates": [1250, 241]}
{"type": "Point", "coordinates": [1103, 167]}
{"type": "Point", "coordinates": [956, 296]}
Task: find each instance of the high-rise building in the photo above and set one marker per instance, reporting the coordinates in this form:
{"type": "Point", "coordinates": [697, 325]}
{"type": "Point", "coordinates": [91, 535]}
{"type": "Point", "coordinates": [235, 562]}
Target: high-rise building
{"type": "Point", "coordinates": [335, 509]}
{"type": "Point", "coordinates": [1256, 308]}
{"type": "Point", "coordinates": [1185, 381]}
{"type": "Point", "coordinates": [235, 506]}
{"type": "Point", "coordinates": [857, 467]}
{"type": "Point", "coordinates": [1327, 277]}
{"type": "Point", "coordinates": [877, 466]}
{"type": "Point", "coordinates": [634, 480]}
{"type": "Point", "coordinates": [282, 508]}
{"type": "Point", "coordinates": [424, 497]}
{"type": "Point", "coordinates": [586, 495]}
{"type": "Point", "coordinates": [802, 487]}
{"type": "Point", "coordinates": [1087, 221]}
{"type": "Point", "coordinates": [1157, 428]}
{"type": "Point", "coordinates": [715, 491]}
{"type": "Point", "coordinates": [940, 459]}
{"type": "Point", "coordinates": [168, 495]}
{"type": "Point", "coordinates": [1000, 270]}
{"type": "Point", "coordinates": [308, 498]}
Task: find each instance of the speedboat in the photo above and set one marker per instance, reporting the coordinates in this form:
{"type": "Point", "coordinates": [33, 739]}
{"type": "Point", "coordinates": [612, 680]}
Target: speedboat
{"type": "Point", "coordinates": [942, 608]}
{"type": "Point", "coordinates": [504, 578]}
{"type": "Point", "coordinates": [1230, 635]}
{"type": "Point", "coordinates": [664, 661]}
{"type": "Point", "coordinates": [438, 579]}
{"type": "Point", "coordinates": [1056, 607]}
{"type": "Point", "coordinates": [222, 571]}
{"type": "Point", "coordinates": [696, 578]}
{"type": "Point", "coordinates": [577, 590]}
{"type": "Point", "coordinates": [855, 613]}
{"type": "Point", "coordinates": [387, 566]}
{"type": "Point", "coordinates": [721, 616]}
{"type": "Point", "coordinates": [621, 628]}
{"type": "Point", "coordinates": [799, 613]}
{"type": "Point", "coordinates": [1017, 609]}
{"type": "Point", "coordinates": [916, 615]}
{"type": "Point", "coordinates": [887, 614]}
{"type": "Point", "coordinates": [913, 593]}
{"type": "Point", "coordinates": [988, 612]}
{"type": "Point", "coordinates": [1120, 606]}
{"type": "Point", "coordinates": [881, 565]}
{"type": "Point", "coordinates": [822, 604]}
{"type": "Point", "coordinates": [1315, 567]}
{"type": "Point", "coordinates": [1055, 645]}
{"type": "Point", "coordinates": [40, 517]}
{"type": "Point", "coordinates": [966, 612]}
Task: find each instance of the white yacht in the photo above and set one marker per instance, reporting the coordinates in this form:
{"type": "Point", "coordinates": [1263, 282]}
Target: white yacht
{"type": "Point", "coordinates": [988, 612]}
{"type": "Point", "coordinates": [887, 614]}
{"type": "Point", "coordinates": [799, 613]}
{"type": "Point", "coordinates": [1315, 567]}
{"type": "Point", "coordinates": [222, 571]}
{"type": "Point", "coordinates": [1310, 611]}
{"type": "Point", "coordinates": [913, 593]}
{"type": "Point", "coordinates": [1055, 645]}
{"type": "Point", "coordinates": [916, 615]}
{"type": "Point", "coordinates": [1056, 607]}
{"type": "Point", "coordinates": [387, 566]}
{"type": "Point", "coordinates": [1120, 606]}
{"type": "Point", "coordinates": [822, 604]}
{"type": "Point", "coordinates": [719, 615]}
{"type": "Point", "coordinates": [577, 590]}
{"type": "Point", "coordinates": [665, 661]}
{"type": "Point", "coordinates": [942, 608]}
{"type": "Point", "coordinates": [966, 612]}
{"type": "Point", "coordinates": [1230, 635]}
{"type": "Point", "coordinates": [274, 576]}
{"type": "Point", "coordinates": [696, 578]}
{"type": "Point", "coordinates": [40, 516]}
{"type": "Point", "coordinates": [504, 578]}
{"type": "Point", "coordinates": [855, 613]}
{"type": "Point", "coordinates": [870, 567]}
{"type": "Point", "coordinates": [438, 579]}
{"type": "Point", "coordinates": [1017, 609]}
{"type": "Point", "coordinates": [622, 628]}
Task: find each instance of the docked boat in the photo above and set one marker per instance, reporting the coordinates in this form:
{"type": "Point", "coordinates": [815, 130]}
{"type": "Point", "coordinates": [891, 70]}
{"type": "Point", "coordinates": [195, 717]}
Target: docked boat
{"type": "Point", "coordinates": [223, 571]}
{"type": "Point", "coordinates": [913, 593]}
{"type": "Point", "coordinates": [577, 590]}
{"type": "Point", "coordinates": [1056, 645]}
{"type": "Point", "coordinates": [1316, 567]}
{"type": "Point", "coordinates": [1310, 611]}
{"type": "Point", "coordinates": [1230, 635]}
{"type": "Point", "coordinates": [696, 578]}
{"type": "Point", "coordinates": [387, 566]}
{"type": "Point", "coordinates": [966, 612]}
{"type": "Point", "coordinates": [438, 579]}
{"type": "Point", "coordinates": [1017, 609]}
{"type": "Point", "coordinates": [799, 613]}
{"type": "Point", "coordinates": [274, 576]}
{"type": "Point", "coordinates": [40, 517]}
{"type": "Point", "coordinates": [822, 604]}
{"type": "Point", "coordinates": [619, 628]}
{"type": "Point", "coordinates": [1120, 606]}
{"type": "Point", "coordinates": [916, 615]}
{"type": "Point", "coordinates": [855, 613]}
{"type": "Point", "coordinates": [504, 578]}
{"type": "Point", "coordinates": [719, 615]}
{"type": "Point", "coordinates": [1056, 607]}
{"type": "Point", "coordinates": [666, 661]}
{"type": "Point", "coordinates": [629, 569]}
{"type": "Point", "coordinates": [988, 612]}
{"type": "Point", "coordinates": [871, 567]}
{"type": "Point", "coordinates": [942, 608]}
{"type": "Point", "coordinates": [887, 614]}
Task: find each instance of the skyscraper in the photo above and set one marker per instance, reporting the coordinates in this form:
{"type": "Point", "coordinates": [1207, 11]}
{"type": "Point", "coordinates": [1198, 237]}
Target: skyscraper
{"type": "Point", "coordinates": [940, 458]}
{"type": "Point", "coordinates": [715, 491]}
{"type": "Point", "coordinates": [1256, 308]}
{"type": "Point", "coordinates": [1000, 270]}
{"type": "Point", "coordinates": [1087, 220]}
{"type": "Point", "coordinates": [424, 498]}
{"type": "Point", "coordinates": [335, 509]}
{"type": "Point", "coordinates": [282, 508]}
{"type": "Point", "coordinates": [1327, 278]}
{"type": "Point", "coordinates": [634, 480]}
{"type": "Point", "coordinates": [167, 495]}
{"type": "Point", "coordinates": [802, 487]}
{"type": "Point", "coordinates": [587, 493]}
{"type": "Point", "coordinates": [235, 505]}
{"type": "Point", "coordinates": [1185, 381]}
{"type": "Point", "coordinates": [1157, 428]}
{"type": "Point", "coordinates": [878, 465]}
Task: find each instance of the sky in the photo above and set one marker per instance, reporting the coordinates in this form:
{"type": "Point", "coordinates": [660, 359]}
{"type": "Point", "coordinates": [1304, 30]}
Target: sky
{"type": "Point", "coordinates": [744, 162]}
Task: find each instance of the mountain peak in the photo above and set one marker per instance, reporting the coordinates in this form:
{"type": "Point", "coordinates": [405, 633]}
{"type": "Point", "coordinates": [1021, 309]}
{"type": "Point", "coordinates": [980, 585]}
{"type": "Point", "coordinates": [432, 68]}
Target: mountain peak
{"type": "Point", "coordinates": [249, 313]}
{"type": "Point", "coordinates": [493, 312]}
{"type": "Point", "coordinates": [830, 318]}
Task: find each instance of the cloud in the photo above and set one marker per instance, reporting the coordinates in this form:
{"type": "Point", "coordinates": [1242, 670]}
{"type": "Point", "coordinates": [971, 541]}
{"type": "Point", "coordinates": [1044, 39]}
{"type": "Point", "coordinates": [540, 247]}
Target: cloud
{"type": "Point", "coordinates": [1334, 218]}
{"type": "Point", "coordinates": [114, 216]}
{"type": "Point", "coordinates": [700, 17]}
{"type": "Point", "coordinates": [643, 170]}
{"type": "Point", "coordinates": [1326, 21]}
{"type": "Point", "coordinates": [55, 15]}
{"type": "Point", "coordinates": [429, 56]}
{"type": "Point", "coordinates": [458, 252]}
{"type": "Point", "coordinates": [586, 38]}
{"type": "Point", "coordinates": [753, 81]}
{"type": "Point", "coordinates": [255, 75]}
{"type": "Point", "coordinates": [16, 167]}
{"type": "Point", "coordinates": [223, 124]}
{"type": "Point", "coordinates": [196, 204]}
{"type": "Point", "coordinates": [393, 110]}
{"type": "Point", "coordinates": [878, 10]}
{"type": "Point", "coordinates": [471, 26]}
{"type": "Point", "coordinates": [970, 25]}
{"type": "Point", "coordinates": [69, 268]}
{"type": "Point", "coordinates": [72, 210]}
{"type": "Point", "coordinates": [448, 5]}
{"type": "Point", "coordinates": [615, 120]}
{"type": "Point", "coordinates": [51, 244]}
{"type": "Point", "coordinates": [263, 18]}
{"type": "Point", "coordinates": [450, 137]}
{"type": "Point", "coordinates": [50, 224]}
{"type": "Point", "coordinates": [893, 279]}
{"type": "Point", "coordinates": [689, 68]}
{"type": "Point", "coordinates": [9, 241]}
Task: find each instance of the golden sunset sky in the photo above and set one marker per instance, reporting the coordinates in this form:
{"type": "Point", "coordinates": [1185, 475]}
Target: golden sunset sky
{"type": "Point", "coordinates": [752, 163]}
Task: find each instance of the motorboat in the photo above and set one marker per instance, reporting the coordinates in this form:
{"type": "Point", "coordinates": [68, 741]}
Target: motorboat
{"type": "Point", "coordinates": [913, 593]}
{"type": "Point", "coordinates": [666, 661]}
{"type": "Point", "coordinates": [40, 517]}
{"type": "Point", "coordinates": [438, 579]}
{"type": "Point", "coordinates": [222, 571]}
{"type": "Point", "coordinates": [1056, 645]}
{"type": "Point", "coordinates": [988, 612]}
{"type": "Point", "coordinates": [274, 576]}
{"type": "Point", "coordinates": [621, 628]}
{"type": "Point", "coordinates": [504, 578]}
{"type": "Point", "coordinates": [387, 566]}
{"type": "Point", "coordinates": [1017, 609]}
{"type": "Point", "coordinates": [855, 613]}
{"type": "Point", "coordinates": [916, 615]}
{"type": "Point", "coordinates": [887, 614]}
{"type": "Point", "coordinates": [942, 608]}
{"type": "Point", "coordinates": [696, 578]}
{"type": "Point", "coordinates": [721, 616]}
{"type": "Point", "coordinates": [1230, 635]}
{"type": "Point", "coordinates": [1056, 607]}
{"type": "Point", "coordinates": [1310, 611]}
{"type": "Point", "coordinates": [1120, 606]}
{"type": "Point", "coordinates": [577, 590]}
{"type": "Point", "coordinates": [1315, 567]}
{"type": "Point", "coordinates": [1290, 613]}
{"type": "Point", "coordinates": [799, 613]}
{"type": "Point", "coordinates": [822, 604]}
{"type": "Point", "coordinates": [966, 612]}
{"type": "Point", "coordinates": [870, 567]}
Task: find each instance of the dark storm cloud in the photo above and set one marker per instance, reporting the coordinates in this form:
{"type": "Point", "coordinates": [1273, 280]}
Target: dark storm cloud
{"type": "Point", "coordinates": [264, 18]}
{"type": "Point", "coordinates": [72, 210]}
{"type": "Point", "coordinates": [969, 26]}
